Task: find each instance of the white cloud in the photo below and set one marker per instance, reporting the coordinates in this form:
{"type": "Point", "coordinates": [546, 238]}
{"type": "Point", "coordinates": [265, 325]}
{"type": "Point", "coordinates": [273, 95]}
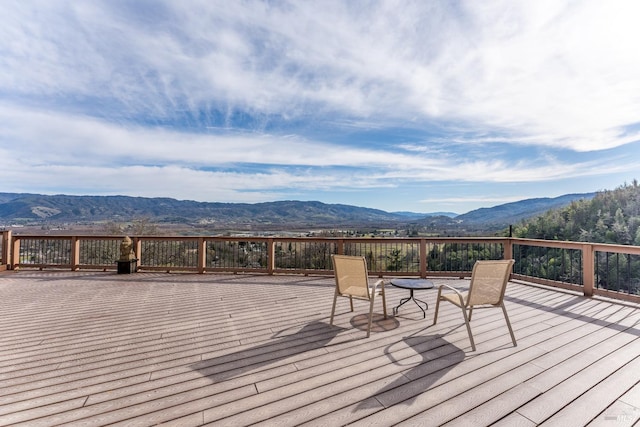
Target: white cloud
{"type": "Point", "coordinates": [548, 72]}
{"type": "Point", "coordinates": [43, 141]}
{"type": "Point", "coordinates": [199, 91]}
{"type": "Point", "coordinates": [88, 141]}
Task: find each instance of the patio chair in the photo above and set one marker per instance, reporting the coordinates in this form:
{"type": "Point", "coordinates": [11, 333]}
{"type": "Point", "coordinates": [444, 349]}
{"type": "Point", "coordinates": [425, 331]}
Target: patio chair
{"type": "Point", "coordinates": [488, 284]}
{"type": "Point", "coordinates": [352, 281]}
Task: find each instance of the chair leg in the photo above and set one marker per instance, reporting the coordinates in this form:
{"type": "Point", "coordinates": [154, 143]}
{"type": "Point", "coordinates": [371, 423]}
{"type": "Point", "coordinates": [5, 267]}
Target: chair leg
{"type": "Point", "coordinates": [513, 337]}
{"type": "Point", "coordinates": [370, 316]}
{"type": "Point", "coordinates": [435, 315]}
{"type": "Point", "coordinates": [351, 302]}
{"type": "Point", "coordinates": [470, 312]}
{"type": "Point", "coordinates": [384, 304]}
{"type": "Point", "coordinates": [466, 322]}
{"type": "Point", "coordinates": [333, 309]}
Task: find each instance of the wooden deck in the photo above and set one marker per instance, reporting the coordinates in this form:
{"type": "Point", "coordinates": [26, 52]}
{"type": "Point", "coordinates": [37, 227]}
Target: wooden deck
{"type": "Point", "coordinates": [94, 348]}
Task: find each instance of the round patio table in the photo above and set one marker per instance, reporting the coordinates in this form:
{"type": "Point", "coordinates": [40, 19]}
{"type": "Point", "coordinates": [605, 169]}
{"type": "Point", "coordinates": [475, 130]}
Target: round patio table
{"type": "Point", "coordinates": [412, 285]}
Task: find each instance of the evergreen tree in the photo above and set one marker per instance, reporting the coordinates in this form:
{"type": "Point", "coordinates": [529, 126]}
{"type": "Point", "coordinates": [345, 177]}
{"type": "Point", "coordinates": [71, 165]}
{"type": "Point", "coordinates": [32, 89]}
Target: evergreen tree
{"type": "Point", "coordinates": [612, 216]}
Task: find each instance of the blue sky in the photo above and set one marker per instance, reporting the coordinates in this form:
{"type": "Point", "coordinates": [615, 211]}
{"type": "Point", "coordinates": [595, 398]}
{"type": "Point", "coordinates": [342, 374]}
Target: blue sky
{"type": "Point", "coordinates": [421, 106]}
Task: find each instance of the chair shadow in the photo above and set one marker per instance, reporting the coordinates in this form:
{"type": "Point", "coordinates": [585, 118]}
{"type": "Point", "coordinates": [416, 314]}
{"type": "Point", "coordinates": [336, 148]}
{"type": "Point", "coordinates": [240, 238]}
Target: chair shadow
{"type": "Point", "coordinates": [283, 345]}
{"type": "Point", "coordinates": [378, 323]}
{"type": "Point", "coordinates": [438, 358]}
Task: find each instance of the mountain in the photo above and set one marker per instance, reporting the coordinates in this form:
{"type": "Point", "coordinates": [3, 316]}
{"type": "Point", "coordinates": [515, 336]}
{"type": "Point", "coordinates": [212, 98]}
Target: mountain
{"type": "Point", "coordinates": [609, 217]}
{"type": "Point", "coordinates": [34, 208]}
{"type": "Point", "coordinates": [63, 208]}
{"type": "Point", "coordinates": [511, 213]}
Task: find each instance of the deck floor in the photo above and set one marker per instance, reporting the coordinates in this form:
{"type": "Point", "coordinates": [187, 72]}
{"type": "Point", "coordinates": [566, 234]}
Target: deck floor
{"type": "Point", "coordinates": [97, 348]}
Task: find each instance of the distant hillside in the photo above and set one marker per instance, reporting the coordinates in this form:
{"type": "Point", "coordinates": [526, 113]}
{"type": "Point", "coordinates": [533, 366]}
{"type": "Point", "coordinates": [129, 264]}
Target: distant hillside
{"type": "Point", "coordinates": [35, 208]}
{"type": "Point", "coordinates": [511, 213]}
{"type": "Point", "coordinates": [609, 217]}
{"type": "Point", "coordinates": [62, 208]}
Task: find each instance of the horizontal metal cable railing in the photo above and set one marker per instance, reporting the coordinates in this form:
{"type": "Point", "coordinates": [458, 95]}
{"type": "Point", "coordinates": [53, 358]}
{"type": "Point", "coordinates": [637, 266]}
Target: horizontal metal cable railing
{"type": "Point", "coordinates": [612, 270]}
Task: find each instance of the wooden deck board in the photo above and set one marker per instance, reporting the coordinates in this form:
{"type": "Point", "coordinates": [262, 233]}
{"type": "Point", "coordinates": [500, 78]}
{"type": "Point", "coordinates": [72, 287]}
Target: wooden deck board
{"type": "Point", "coordinates": [93, 348]}
{"type": "Point", "coordinates": [624, 412]}
{"type": "Point", "coordinates": [598, 398]}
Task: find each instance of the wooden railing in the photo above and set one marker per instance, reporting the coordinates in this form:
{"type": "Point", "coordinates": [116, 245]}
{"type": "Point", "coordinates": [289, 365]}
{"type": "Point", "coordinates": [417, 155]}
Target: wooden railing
{"type": "Point", "coordinates": [590, 268]}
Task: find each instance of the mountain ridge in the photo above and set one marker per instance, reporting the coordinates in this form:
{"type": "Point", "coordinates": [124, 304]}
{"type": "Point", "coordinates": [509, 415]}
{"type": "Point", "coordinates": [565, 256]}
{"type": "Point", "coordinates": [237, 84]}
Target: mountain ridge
{"type": "Point", "coordinates": [68, 208]}
{"type": "Point", "coordinates": [510, 213]}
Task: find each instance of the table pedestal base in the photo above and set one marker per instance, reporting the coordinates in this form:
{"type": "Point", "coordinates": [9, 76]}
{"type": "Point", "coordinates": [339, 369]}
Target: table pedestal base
{"type": "Point", "coordinates": [411, 297]}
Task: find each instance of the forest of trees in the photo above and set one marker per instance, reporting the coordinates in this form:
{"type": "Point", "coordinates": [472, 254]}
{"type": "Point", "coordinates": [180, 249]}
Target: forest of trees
{"type": "Point", "coordinates": [612, 216]}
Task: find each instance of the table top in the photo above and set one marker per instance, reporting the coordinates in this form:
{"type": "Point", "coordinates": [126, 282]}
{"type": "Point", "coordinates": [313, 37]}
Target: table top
{"type": "Point", "coordinates": [412, 283]}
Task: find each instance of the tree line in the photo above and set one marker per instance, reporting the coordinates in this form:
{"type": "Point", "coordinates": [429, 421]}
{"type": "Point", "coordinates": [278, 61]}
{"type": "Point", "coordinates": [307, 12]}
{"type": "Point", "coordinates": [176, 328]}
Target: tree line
{"type": "Point", "coordinates": [612, 216]}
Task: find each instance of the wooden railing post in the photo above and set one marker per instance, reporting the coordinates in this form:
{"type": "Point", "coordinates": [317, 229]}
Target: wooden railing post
{"type": "Point", "coordinates": [202, 255]}
{"type": "Point", "coordinates": [271, 256]}
{"type": "Point", "coordinates": [588, 269]}
{"type": "Point", "coordinates": [508, 249]}
{"type": "Point", "coordinates": [6, 250]}
{"type": "Point", "coordinates": [14, 259]}
{"type": "Point", "coordinates": [423, 258]}
{"type": "Point", "coordinates": [340, 248]}
{"type": "Point", "coordinates": [75, 253]}
{"type": "Point", "coordinates": [137, 249]}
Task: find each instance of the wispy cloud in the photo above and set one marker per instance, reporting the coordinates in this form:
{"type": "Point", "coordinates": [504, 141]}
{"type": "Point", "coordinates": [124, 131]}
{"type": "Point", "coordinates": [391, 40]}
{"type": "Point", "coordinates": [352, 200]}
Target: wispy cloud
{"type": "Point", "coordinates": [265, 99]}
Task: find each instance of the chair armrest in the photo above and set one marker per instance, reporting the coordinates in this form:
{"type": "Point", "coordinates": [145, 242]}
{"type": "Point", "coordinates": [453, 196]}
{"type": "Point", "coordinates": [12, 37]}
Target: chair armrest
{"type": "Point", "coordinates": [462, 303]}
{"type": "Point", "coordinates": [380, 283]}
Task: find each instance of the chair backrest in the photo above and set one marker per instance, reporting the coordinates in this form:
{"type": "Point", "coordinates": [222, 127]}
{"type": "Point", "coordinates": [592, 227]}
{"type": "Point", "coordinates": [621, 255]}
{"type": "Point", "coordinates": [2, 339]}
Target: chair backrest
{"type": "Point", "coordinates": [489, 282]}
{"type": "Point", "coordinates": [351, 275]}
